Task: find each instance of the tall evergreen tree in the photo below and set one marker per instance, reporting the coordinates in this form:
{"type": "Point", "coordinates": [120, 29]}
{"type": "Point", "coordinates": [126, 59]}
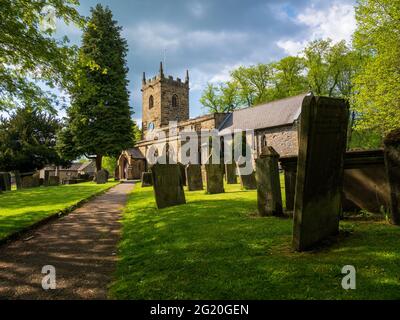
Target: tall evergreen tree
{"type": "Point", "coordinates": [99, 118]}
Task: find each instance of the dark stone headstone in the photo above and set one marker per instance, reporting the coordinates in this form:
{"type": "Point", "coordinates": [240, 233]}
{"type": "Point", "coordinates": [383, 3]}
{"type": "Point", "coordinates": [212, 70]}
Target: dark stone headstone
{"type": "Point", "coordinates": [18, 180]}
{"type": "Point", "coordinates": [230, 173]}
{"type": "Point", "coordinates": [183, 172]}
{"type": "Point", "coordinates": [322, 143]}
{"type": "Point", "coordinates": [214, 178]}
{"type": "Point", "coordinates": [269, 198]}
{"type": "Point", "coordinates": [5, 181]}
{"type": "Point", "coordinates": [53, 181]}
{"type": "Point", "coordinates": [247, 181]}
{"type": "Point", "coordinates": [101, 176]}
{"type": "Point", "coordinates": [392, 162]}
{"type": "Point", "coordinates": [289, 166]}
{"type": "Point", "coordinates": [194, 179]}
{"type": "Point", "coordinates": [167, 185]}
{"type": "Point", "coordinates": [147, 179]}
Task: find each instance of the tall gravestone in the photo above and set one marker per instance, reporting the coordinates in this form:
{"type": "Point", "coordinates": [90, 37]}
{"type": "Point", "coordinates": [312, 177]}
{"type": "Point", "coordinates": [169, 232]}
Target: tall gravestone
{"type": "Point", "coordinates": [214, 178]}
{"type": "Point", "coordinates": [18, 180]}
{"type": "Point", "coordinates": [5, 181]}
{"type": "Point", "coordinates": [167, 185]}
{"type": "Point", "coordinates": [269, 198]}
{"type": "Point", "coordinates": [230, 173]}
{"type": "Point", "coordinates": [247, 181]}
{"type": "Point", "coordinates": [182, 169]}
{"type": "Point", "coordinates": [392, 163]}
{"type": "Point", "coordinates": [194, 179]}
{"type": "Point", "coordinates": [322, 143]}
{"type": "Point", "coordinates": [147, 179]}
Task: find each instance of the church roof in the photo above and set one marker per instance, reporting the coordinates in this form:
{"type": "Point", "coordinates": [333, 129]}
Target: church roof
{"type": "Point", "coordinates": [272, 114]}
{"type": "Point", "coordinates": [135, 153]}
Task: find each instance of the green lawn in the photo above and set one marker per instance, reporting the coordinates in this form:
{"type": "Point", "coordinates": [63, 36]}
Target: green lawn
{"type": "Point", "coordinates": [20, 209]}
{"type": "Point", "coordinates": [215, 247]}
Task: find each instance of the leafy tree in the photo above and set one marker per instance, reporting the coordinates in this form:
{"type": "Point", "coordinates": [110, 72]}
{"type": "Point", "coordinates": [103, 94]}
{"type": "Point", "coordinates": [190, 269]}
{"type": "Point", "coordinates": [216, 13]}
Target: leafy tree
{"type": "Point", "coordinates": [221, 98]}
{"type": "Point", "coordinates": [28, 140]}
{"type": "Point", "coordinates": [99, 118]}
{"type": "Point", "coordinates": [289, 77]}
{"type": "Point", "coordinates": [29, 54]}
{"type": "Point", "coordinates": [378, 83]}
{"type": "Point", "coordinates": [109, 163]}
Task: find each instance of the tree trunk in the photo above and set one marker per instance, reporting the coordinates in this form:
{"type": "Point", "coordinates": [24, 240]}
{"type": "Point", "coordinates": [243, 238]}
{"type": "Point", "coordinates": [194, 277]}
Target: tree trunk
{"type": "Point", "coordinates": [99, 159]}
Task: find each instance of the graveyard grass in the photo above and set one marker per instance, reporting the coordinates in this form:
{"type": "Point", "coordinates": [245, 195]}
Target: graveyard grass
{"type": "Point", "coordinates": [20, 209]}
{"type": "Point", "coordinates": [216, 247]}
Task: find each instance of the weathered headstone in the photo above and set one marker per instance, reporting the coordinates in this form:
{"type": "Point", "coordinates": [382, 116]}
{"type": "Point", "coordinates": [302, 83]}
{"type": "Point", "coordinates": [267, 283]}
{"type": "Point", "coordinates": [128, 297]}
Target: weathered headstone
{"type": "Point", "coordinates": [167, 185]}
{"type": "Point", "coordinates": [322, 143]}
{"type": "Point", "coordinates": [392, 163]}
{"type": "Point", "coordinates": [194, 179]}
{"type": "Point", "coordinates": [230, 173]}
{"type": "Point", "coordinates": [5, 181]}
{"type": "Point", "coordinates": [289, 166]}
{"type": "Point", "coordinates": [247, 180]}
{"type": "Point", "coordinates": [147, 179]}
{"type": "Point", "coordinates": [53, 181]}
{"type": "Point", "coordinates": [30, 181]}
{"type": "Point", "coordinates": [214, 178]}
{"type": "Point", "coordinates": [269, 198]}
{"type": "Point", "coordinates": [101, 176]}
{"type": "Point", "coordinates": [183, 172]}
{"type": "Point", "coordinates": [18, 180]}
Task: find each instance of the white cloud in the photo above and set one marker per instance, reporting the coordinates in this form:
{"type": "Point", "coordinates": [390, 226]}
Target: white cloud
{"type": "Point", "coordinates": [337, 22]}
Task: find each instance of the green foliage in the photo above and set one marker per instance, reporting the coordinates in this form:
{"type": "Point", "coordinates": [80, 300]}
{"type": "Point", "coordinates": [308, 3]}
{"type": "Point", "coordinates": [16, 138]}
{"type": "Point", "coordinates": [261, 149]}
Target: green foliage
{"type": "Point", "coordinates": [378, 83]}
{"type": "Point", "coordinates": [27, 140]}
{"type": "Point", "coordinates": [22, 208]}
{"type": "Point", "coordinates": [109, 163]}
{"type": "Point", "coordinates": [216, 247]}
{"type": "Point", "coordinates": [28, 54]}
{"type": "Point", "coordinates": [326, 69]}
{"type": "Point", "coordinates": [99, 118]}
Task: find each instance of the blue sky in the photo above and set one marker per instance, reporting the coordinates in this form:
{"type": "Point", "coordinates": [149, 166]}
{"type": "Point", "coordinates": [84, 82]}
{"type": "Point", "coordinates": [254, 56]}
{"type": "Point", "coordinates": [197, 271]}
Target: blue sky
{"type": "Point", "coordinates": [212, 37]}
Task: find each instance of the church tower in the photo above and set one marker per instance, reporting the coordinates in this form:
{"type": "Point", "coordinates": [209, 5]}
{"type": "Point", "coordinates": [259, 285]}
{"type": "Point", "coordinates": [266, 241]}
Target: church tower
{"type": "Point", "coordinates": [164, 99]}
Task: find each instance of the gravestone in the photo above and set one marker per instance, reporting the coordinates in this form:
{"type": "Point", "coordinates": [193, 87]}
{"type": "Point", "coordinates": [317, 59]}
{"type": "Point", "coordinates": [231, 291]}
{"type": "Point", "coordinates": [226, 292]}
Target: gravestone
{"type": "Point", "coordinates": [183, 172]}
{"type": "Point", "coordinates": [230, 173]}
{"type": "Point", "coordinates": [322, 143]}
{"type": "Point", "coordinates": [214, 178]}
{"type": "Point", "coordinates": [5, 181]}
{"type": "Point", "coordinates": [101, 176]}
{"type": "Point", "coordinates": [147, 179]}
{"type": "Point", "coordinates": [247, 181]}
{"type": "Point", "coordinates": [18, 180]}
{"type": "Point", "coordinates": [392, 163]}
{"type": "Point", "coordinates": [269, 198]}
{"type": "Point", "coordinates": [53, 181]}
{"type": "Point", "coordinates": [31, 181]}
{"type": "Point", "coordinates": [46, 178]}
{"type": "Point", "coordinates": [194, 179]}
{"type": "Point", "coordinates": [167, 185]}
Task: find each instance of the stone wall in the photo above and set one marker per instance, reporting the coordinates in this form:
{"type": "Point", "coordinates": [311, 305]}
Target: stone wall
{"type": "Point", "coordinates": [283, 139]}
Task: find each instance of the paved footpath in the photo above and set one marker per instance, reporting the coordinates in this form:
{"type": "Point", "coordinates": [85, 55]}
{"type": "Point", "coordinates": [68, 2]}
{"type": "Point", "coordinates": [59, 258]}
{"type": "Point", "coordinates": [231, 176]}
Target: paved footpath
{"type": "Point", "coordinates": [81, 246]}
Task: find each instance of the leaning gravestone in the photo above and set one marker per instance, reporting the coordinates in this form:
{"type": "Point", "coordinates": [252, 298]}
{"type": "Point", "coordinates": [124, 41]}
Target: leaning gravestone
{"type": "Point", "coordinates": [101, 176]}
{"type": "Point", "coordinates": [247, 180]}
{"type": "Point", "coordinates": [167, 185]}
{"type": "Point", "coordinates": [147, 179]}
{"type": "Point", "coordinates": [322, 143]}
{"type": "Point", "coordinates": [230, 173]}
{"type": "Point", "coordinates": [214, 178]}
{"type": "Point", "coordinates": [269, 198]}
{"type": "Point", "coordinates": [18, 180]}
{"type": "Point", "coordinates": [392, 163]}
{"type": "Point", "coordinates": [194, 179]}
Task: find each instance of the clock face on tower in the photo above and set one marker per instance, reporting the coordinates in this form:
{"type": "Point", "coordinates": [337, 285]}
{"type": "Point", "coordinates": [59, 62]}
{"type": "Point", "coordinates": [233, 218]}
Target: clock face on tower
{"type": "Point", "coordinates": [150, 126]}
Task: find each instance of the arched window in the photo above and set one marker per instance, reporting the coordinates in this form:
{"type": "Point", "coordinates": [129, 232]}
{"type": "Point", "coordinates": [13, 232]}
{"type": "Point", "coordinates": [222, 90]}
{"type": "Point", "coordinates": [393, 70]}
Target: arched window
{"type": "Point", "coordinates": [151, 102]}
{"type": "Point", "coordinates": [174, 101]}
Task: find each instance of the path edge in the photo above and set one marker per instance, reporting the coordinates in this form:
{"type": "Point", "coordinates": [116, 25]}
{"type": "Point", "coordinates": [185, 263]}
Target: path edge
{"type": "Point", "coordinates": [54, 216]}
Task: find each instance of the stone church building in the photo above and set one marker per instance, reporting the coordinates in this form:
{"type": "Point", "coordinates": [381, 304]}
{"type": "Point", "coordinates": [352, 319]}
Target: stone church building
{"type": "Point", "coordinates": [166, 99]}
